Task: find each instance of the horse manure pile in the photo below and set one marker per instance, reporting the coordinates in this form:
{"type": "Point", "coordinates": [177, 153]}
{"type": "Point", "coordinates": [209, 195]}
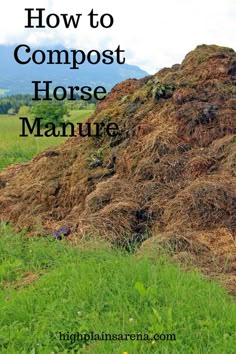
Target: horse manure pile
{"type": "Point", "coordinates": [170, 173]}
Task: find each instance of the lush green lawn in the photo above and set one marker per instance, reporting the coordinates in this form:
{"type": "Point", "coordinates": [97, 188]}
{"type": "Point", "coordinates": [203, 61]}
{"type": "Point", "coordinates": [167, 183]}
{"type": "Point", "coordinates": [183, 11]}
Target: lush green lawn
{"type": "Point", "coordinates": [14, 148]}
{"type": "Point", "coordinates": [48, 286]}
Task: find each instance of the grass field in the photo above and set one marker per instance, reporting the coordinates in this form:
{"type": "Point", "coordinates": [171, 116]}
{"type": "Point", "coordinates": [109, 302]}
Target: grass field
{"type": "Point", "coordinates": [14, 148]}
{"type": "Point", "coordinates": [47, 287]}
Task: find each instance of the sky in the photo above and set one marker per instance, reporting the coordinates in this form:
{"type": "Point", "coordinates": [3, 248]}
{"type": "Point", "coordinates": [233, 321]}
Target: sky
{"type": "Point", "coordinates": [153, 33]}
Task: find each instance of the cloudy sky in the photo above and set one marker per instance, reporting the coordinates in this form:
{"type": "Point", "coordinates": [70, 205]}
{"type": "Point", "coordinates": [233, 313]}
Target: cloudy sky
{"type": "Point", "coordinates": [153, 33]}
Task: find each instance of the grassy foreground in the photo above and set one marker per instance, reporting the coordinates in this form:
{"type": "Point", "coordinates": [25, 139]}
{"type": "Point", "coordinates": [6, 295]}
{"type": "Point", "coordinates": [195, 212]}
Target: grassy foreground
{"type": "Point", "coordinates": [14, 148]}
{"type": "Point", "coordinates": [47, 287]}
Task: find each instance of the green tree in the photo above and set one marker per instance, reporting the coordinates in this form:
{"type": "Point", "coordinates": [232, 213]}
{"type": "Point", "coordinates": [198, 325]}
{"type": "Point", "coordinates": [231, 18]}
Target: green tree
{"type": "Point", "coordinates": [24, 111]}
{"type": "Point", "coordinates": [50, 111]}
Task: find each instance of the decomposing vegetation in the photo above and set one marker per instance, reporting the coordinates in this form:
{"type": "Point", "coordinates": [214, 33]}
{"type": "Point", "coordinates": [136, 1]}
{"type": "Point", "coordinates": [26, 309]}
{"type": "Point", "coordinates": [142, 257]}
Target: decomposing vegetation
{"type": "Point", "coordinates": [171, 171]}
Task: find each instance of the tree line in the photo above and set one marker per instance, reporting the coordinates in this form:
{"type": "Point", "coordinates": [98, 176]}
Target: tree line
{"type": "Point", "coordinates": [12, 104]}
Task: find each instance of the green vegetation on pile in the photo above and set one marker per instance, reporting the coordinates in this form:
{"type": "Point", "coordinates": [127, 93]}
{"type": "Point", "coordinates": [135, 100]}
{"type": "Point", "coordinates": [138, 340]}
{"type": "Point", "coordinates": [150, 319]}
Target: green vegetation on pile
{"type": "Point", "coordinates": [48, 287]}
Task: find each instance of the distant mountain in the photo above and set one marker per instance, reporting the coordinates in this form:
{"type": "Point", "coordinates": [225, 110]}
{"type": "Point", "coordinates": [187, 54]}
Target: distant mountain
{"type": "Point", "coordinates": [16, 78]}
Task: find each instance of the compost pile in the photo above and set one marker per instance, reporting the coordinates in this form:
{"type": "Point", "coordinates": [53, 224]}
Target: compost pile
{"type": "Point", "coordinates": [171, 173]}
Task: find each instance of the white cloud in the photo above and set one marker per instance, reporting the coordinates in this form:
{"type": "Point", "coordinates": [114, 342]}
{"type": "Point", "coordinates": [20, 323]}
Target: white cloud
{"type": "Point", "coordinates": [154, 33]}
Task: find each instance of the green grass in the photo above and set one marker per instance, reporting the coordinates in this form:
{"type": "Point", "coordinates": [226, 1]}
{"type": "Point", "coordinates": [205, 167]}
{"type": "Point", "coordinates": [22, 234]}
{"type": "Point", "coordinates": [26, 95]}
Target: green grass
{"type": "Point", "coordinates": [14, 148]}
{"type": "Point", "coordinates": [108, 288]}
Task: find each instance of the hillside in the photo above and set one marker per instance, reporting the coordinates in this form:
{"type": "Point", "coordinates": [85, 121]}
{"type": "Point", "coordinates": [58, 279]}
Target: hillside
{"type": "Point", "coordinates": [16, 78]}
{"type": "Point", "coordinates": [172, 171]}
